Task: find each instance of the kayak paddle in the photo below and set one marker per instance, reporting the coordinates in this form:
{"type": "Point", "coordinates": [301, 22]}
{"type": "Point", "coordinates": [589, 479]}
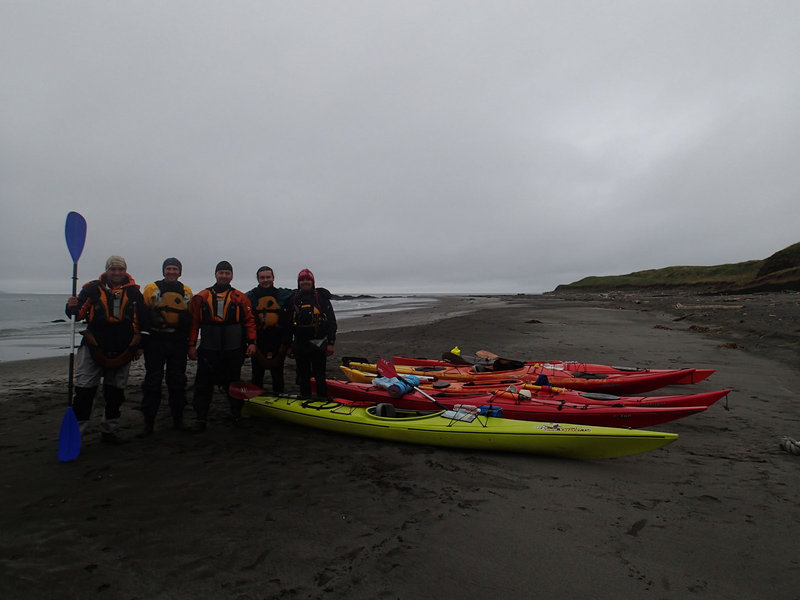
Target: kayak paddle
{"type": "Point", "coordinates": [386, 369]}
{"type": "Point", "coordinates": [69, 438]}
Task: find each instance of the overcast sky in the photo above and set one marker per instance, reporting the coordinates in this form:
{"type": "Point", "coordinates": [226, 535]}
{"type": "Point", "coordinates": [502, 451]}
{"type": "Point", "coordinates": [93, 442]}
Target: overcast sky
{"type": "Point", "coordinates": [408, 146]}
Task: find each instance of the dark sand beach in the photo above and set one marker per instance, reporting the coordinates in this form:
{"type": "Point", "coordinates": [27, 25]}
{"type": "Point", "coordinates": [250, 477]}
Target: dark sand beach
{"type": "Point", "coordinates": [278, 511]}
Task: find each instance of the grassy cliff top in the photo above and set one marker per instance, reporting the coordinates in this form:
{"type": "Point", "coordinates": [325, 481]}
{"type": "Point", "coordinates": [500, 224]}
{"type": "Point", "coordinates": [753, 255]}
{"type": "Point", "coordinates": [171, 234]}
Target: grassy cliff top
{"type": "Point", "coordinates": [781, 271]}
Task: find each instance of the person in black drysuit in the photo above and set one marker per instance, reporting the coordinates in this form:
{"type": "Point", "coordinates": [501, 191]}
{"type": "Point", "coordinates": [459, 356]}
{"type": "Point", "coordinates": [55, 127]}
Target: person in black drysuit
{"type": "Point", "coordinates": [165, 345]}
{"type": "Point", "coordinates": [267, 303]}
{"type": "Point", "coordinates": [310, 332]}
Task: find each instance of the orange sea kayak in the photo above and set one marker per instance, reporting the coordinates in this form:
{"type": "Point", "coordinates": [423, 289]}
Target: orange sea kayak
{"type": "Point", "coordinates": [610, 383]}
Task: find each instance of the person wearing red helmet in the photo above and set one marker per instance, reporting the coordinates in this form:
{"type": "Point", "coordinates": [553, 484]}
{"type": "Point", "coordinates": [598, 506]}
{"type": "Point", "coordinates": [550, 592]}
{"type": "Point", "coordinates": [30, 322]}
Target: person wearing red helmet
{"type": "Point", "coordinates": [310, 333]}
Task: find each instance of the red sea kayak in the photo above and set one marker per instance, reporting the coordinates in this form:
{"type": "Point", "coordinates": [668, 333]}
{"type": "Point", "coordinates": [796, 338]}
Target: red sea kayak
{"type": "Point", "coordinates": [535, 408]}
{"type": "Point", "coordinates": [696, 376]}
{"type": "Point", "coordinates": [360, 387]}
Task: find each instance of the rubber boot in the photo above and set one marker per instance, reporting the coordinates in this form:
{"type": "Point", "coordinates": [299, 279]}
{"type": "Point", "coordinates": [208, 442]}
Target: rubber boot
{"type": "Point", "coordinates": [114, 398]}
{"type": "Point", "coordinates": [177, 402]}
{"type": "Point", "coordinates": [151, 401]}
{"type": "Point", "coordinates": [236, 405]}
{"type": "Point", "coordinates": [82, 403]}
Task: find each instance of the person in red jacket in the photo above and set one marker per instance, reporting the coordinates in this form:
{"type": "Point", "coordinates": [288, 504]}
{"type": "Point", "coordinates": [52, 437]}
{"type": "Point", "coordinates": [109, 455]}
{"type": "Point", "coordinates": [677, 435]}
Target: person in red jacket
{"type": "Point", "coordinates": [223, 320]}
{"type": "Point", "coordinates": [115, 313]}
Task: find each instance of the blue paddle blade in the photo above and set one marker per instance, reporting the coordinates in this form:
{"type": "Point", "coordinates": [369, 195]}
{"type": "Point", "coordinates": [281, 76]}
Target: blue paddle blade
{"type": "Point", "coordinates": [75, 234]}
{"type": "Point", "coordinates": [69, 439]}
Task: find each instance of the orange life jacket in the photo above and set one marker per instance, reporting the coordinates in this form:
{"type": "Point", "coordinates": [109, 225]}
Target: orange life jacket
{"type": "Point", "coordinates": [113, 305]}
{"type": "Point", "coordinates": [267, 312]}
{"type": "Point", "coordinates": [220, 308]}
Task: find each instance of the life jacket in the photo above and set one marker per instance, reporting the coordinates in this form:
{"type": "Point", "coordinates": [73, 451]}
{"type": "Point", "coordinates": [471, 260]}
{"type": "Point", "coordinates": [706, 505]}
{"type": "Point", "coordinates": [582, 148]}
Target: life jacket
{"type": "Point", "coordinates": [170, 309]}
{"type": "Point", "coordinates": [112, 314]}
{"type": "Point", "coordinates": [222, 321]}
{"type": "Point", "coordinates": [307, 315]}
{"type": "Point", "coordinates": [267, 312]}
{"type": "Point", "coordinates": [112, 305]}
{"type": "Point", "coordinates": [220, 309]}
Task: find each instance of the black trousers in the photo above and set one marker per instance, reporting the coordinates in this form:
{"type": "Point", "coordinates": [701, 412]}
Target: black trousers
{"type": "Point", "coordinates": [84, 399]}
{"type": "Point", "coordinates": [220, 368]}
{"type": "Point", "coordinates": [276, 373]}
{"type": "Point", "coordinates": [165, 353]}
{"type": "Point", "coordinates": [311, 363]}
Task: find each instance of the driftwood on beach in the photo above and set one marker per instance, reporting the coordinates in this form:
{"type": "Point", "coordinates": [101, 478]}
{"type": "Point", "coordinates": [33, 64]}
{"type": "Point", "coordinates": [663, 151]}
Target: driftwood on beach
{"type": "Point", "coordinates": [680, 306]}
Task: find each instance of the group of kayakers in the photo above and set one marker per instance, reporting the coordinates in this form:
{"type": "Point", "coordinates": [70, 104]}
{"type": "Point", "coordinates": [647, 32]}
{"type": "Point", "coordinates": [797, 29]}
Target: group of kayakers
{"type": "Point", "coordinates": [218, 327]}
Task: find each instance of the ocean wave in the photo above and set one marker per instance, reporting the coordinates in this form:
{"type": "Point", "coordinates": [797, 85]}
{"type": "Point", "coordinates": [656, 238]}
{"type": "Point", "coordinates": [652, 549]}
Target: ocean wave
{"type": "Point", "coordinates": [35, 330]}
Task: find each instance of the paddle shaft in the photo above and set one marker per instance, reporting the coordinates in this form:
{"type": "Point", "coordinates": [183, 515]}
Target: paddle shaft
{"type": "Point", "coordinates": [71, 385]}
{"type": "Point", "coordinates": [431, 398]}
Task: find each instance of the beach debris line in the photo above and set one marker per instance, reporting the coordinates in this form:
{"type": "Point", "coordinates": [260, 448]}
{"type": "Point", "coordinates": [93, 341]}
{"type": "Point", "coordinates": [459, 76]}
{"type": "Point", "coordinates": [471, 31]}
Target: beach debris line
{"type": "Point", "coordinates": [680, 306]}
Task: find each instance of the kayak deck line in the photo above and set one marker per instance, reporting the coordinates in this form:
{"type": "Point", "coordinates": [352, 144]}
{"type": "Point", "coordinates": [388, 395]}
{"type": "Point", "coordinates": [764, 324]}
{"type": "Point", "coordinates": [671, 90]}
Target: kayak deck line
{"type": "Point", "coordinates": [348, 408]}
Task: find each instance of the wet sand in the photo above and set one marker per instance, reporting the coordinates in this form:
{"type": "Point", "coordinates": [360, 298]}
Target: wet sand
{"type": "Point", "coordinates": [278, 511]}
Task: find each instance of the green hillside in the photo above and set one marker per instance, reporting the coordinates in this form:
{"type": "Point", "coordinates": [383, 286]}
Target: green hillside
{"type": "Point", "coordinates": [781, 271]}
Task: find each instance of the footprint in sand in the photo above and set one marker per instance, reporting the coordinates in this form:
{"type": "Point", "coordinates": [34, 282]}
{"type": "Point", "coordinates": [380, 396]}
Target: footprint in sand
{"type": "Point", "coordinates": [637, 527]}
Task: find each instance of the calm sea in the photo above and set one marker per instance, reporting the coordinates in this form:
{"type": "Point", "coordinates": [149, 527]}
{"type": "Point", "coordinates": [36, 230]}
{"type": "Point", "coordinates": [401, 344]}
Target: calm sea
{"type": "Point", "coordinates": [35, 326]}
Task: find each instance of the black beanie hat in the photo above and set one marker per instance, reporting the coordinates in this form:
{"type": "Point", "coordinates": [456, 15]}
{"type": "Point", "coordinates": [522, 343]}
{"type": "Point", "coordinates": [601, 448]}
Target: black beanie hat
{"type": "Point", "coordinates": [223, 265]}
{"type": "Point", "coordinates": [173, 262]}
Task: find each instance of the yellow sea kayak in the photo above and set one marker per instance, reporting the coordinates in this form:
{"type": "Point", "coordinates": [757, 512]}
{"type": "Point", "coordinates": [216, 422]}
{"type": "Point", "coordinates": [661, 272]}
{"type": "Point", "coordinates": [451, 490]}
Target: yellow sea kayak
{"type": "Point", "coordinates": [459, 429]}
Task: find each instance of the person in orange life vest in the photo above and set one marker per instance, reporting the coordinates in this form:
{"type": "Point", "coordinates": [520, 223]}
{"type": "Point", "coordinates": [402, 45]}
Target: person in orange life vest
{"type": "Point", "coordinates": [267, 302]}
{"type": "Point", "coordinates": [165, 344]}
{"type": "Point", "coordinates": [224, 317]}
{"type": "Point", "coordinates": [114, 311]}
{"type": "Point", "coordinates": [310, 333]}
